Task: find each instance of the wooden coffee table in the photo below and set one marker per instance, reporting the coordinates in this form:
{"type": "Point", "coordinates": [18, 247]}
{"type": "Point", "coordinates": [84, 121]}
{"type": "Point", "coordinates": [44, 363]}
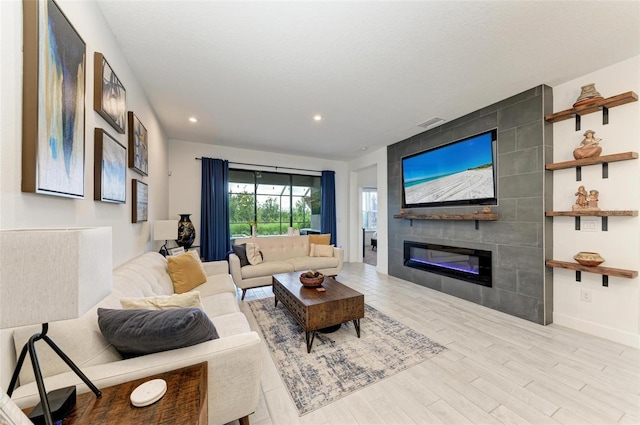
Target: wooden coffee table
{"type": "Point", "coordinates": [315, 310]}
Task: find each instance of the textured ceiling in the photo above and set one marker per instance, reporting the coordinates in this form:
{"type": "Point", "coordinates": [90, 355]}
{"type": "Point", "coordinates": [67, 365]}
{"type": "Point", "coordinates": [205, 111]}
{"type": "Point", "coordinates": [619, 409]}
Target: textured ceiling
{"type": "Point", "coordinates": [255, 73]}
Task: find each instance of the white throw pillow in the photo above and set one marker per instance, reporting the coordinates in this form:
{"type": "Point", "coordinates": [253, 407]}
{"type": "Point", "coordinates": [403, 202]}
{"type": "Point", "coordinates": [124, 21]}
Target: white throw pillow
{"type": "Point", "coordinates": [323, 251]}
{"type": "Point", "coordinates": [165, 302]}
{"type": "Point", "coordinates": [254, 255]}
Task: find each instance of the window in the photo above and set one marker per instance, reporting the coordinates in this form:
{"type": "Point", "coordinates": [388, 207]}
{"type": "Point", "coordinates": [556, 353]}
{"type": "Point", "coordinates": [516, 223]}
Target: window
{"type": "Point", "coordinates": [369, 208]}
{"type": "Point", "coordinates": [273, 202]}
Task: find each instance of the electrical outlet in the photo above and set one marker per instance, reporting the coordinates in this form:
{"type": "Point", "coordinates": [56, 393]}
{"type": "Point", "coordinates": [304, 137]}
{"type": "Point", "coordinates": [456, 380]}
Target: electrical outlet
{"type": "Point", "coordinates": [589, 224]}
{"type": "Point", "coordinates": [585, 295]}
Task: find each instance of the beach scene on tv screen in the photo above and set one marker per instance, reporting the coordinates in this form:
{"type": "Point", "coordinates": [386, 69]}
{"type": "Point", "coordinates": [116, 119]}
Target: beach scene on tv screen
{"type": "Point", "coordinates": [457, 172]}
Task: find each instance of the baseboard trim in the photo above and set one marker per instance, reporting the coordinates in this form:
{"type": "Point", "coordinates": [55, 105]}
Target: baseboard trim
{"type": "Point", "coordinates": [596, 329]}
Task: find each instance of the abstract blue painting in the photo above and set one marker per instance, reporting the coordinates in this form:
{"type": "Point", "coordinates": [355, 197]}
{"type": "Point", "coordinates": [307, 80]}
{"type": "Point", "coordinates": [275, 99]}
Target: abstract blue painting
{"type": "Point", "coordinates": [54, 111]}
{"type": "Point", "coordinates": [110, 169]}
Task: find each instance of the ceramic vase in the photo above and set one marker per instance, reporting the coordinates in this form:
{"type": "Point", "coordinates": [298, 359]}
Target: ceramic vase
{"type": "Point", "coordinates": [186, 231]}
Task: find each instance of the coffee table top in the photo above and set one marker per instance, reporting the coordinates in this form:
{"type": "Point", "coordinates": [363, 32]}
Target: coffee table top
{"type": "Point", "coordinates": [310, 296]}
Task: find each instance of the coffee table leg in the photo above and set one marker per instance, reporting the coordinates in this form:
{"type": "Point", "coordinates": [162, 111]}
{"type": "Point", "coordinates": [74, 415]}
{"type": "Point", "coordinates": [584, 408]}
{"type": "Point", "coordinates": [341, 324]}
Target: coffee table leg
{"type": "Point", "coordinates": [356, 324]}
{"type": "Point", "coordinates": [310, 340]}
{"type": "Point", "coordinates": [276, 298]}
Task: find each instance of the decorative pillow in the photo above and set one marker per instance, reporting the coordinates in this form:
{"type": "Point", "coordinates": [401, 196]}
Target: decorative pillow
{"type": "Point", "coordinates": [138, 332]}
{"type": "Point", "coordinates": [323, 251]}
{"type": "Point", "coordinates": [319, 240]}
{"type": "Point", "coordinates": [188, 299]}
{"type": "Point", "coordinates": [241, 252]}
{"type": "Point", "coordinates": [186, 272]}
{"type": "Point", "coordinates": [254, 255]}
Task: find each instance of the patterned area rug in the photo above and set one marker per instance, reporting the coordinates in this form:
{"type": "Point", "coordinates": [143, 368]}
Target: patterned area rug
{"type": "Point", "coordinates": [339, 362]}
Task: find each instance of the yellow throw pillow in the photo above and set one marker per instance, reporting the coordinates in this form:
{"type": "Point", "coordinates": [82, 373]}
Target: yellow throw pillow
{"type": "Point", "coordinates": [319, 240]}
{"type": "Point", "coordinates": [186, 272]}
{"type": "Point", "coordinates": [188, 299]}
{"type": "Point", "coordinates": [323, 251]}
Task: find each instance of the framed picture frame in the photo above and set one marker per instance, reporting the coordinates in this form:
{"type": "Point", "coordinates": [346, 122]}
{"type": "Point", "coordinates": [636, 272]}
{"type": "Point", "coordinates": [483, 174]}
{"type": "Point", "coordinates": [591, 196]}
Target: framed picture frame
{"type": "Point", "coordinates": [53, 107]}
{"type": "Point", "coordinates": [109, 95]}
{"type": "Point", "coordinates": [140, 204]}
{"type": "Point", "coordinates": [176, 250]}
{"type": "Point", "coordinates": [109, 168]}
{"type": "Point", "coordinates": [138, 145]}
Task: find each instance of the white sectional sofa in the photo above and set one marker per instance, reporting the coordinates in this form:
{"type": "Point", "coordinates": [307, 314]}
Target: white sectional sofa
{"type": "Point", "coordinates": [281, 254]}
{"type": "Point", "coordinates": [234, 362]}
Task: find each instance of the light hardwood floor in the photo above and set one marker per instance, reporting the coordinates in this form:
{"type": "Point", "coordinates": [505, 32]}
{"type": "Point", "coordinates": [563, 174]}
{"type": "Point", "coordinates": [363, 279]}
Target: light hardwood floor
{"type": "Point", "coordinates": [498, 369]}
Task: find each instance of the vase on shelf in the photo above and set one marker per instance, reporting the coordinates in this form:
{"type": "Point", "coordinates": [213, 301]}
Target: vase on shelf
{"type": "Point", "coordinates": [186, 231]}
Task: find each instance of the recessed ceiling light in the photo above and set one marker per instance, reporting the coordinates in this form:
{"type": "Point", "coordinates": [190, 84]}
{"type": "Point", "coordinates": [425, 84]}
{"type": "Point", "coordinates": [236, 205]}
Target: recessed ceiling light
{"type": "Point", "coordinates": [317, 117]}
{"type": "Point", "coordinates": [364, 148]}
{"type": "Point", "coordinates": [193, 119]}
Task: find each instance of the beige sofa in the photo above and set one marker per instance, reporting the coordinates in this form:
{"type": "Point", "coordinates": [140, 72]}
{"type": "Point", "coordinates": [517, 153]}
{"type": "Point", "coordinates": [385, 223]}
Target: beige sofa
{"type": "Point", "coordinates": [234, 363]}
{"type": "Point", "coordinates": [281, 254]}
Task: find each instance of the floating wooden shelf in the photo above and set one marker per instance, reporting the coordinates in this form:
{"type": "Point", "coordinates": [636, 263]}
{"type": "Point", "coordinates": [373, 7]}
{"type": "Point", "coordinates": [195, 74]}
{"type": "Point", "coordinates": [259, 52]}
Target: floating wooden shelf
{"type": "Point", "coordinates": [596, 106]}
{"type": "Point", "coordinates": [616, 213]}
{"type": "Point", "coordinates": [459, 217]}
{"type": "Point", "coordinates": [591, 161]}
{"type": "Point", "coordinates": [455, 217]}
{"type": "Point", "coordinates": [604, 271]}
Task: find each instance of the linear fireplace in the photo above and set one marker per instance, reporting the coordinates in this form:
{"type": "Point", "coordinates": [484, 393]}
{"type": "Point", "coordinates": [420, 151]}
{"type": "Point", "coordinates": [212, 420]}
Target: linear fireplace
{"type": "Point", "coordinates": [471, 265]}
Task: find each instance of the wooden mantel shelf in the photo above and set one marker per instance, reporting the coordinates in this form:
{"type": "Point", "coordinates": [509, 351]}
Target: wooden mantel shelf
{"type": "Point", "coordinates": [626, 274]}
{"type": "Point", "coordinates": [595, 106]}
{"type": "Point", "coordinates": [612, 213]}
{"type": "Point", "coordinates": [468, 217]}
{"type": "Point", "coordinates": [591, 161]}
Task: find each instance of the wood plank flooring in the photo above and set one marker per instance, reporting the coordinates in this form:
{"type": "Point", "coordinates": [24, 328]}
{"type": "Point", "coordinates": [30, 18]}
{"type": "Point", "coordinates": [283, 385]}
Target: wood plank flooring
{"type": "Point", "coordinates": [498, 369]}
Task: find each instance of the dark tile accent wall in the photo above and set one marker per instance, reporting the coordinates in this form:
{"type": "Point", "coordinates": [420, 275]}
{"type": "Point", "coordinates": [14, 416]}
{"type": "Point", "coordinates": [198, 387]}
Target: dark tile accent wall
{"type": "Point", "coordinates": [521, 239]}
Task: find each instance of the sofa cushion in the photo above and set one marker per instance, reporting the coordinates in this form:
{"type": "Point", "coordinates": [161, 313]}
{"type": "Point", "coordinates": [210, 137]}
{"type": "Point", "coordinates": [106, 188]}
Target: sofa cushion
{"type": "Point", "coordinates": [266, 268]}
{"type": "Point", "coordinates": [164, 302]}
{"type": "Point", "coordinates": [219, 305]}
{"type": "Point", "coordinates": [324, 239]}
{"type": "Point", "coordinates": [241, 251]}
{"type": "Point", "coordinates": [322, 250]}
{"type": "Point", "coordinates": [313, 263]}
{"type": "Point", "coordinates": [216, 284]}
{"type": "Point", "coordinates": [231, 324]}
{"type": "Point", "coordinates": [254, 255]}
{"type": "Point", "coordinates": [186, 272]}
{"type": "Point", "coordinates": [138, 332]}
{"type": "Point", "coordinates": [92, 349]}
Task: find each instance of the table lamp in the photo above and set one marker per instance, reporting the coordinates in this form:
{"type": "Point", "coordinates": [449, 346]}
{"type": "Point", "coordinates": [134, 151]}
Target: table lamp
{"type": "Point", "coordinates": [165, 230]}
{"type": "Point", "coordinates": [48, 275]}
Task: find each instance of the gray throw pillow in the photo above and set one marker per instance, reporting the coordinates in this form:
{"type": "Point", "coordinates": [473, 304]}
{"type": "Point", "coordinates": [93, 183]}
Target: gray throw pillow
{"type": "Point", "coordinates": [139, 331]}
{"type": "Point", "coordinates": [241, 251]}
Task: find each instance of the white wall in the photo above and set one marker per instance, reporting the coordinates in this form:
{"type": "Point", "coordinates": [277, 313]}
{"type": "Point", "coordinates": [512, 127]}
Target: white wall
{"type": "Point", "coordinates": [359, 178]}
{"type": "Point", "coordinates": [26, 210]}
{"type": "Point", "coordinates": [185, 180]}
{"type": "Point", "coordinates": [614, 312]}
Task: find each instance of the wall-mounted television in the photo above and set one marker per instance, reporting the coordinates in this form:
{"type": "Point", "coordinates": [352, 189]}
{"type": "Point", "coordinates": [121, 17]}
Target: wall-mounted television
{"type": "Point", "coordinates": [459, 173]}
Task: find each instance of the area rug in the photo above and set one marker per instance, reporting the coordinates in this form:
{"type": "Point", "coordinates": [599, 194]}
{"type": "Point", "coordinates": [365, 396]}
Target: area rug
{"type": "Point", "coordinates": [339, 362]}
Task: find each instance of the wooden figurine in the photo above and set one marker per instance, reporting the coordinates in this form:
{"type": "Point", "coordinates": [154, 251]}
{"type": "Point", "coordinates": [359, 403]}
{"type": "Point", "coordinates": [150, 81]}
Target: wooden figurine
{"type": "Point", "coordinates": [586, 201]}
{"type": "Point", "coordinates": [589, 147]}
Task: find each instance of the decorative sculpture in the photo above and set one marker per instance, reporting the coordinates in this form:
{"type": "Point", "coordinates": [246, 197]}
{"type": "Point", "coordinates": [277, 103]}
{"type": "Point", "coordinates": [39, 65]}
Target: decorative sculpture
{"type": "Point", "coordinates": [589, 147]}
{"type": "Point", "coordinates": [586, 201]}
{"type": "Point", "coordinates": [588, 94]}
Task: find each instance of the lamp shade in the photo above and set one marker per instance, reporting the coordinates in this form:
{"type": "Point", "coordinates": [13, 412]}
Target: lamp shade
{"type": "Point", "coordinates": [165, 230]}
{"type": "Point", "coordinates": [52, 274]}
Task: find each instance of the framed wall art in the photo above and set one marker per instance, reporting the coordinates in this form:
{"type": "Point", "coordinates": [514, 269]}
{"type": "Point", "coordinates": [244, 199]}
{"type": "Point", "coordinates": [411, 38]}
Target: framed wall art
{"type": "Point", "coordinates": [109, 95]}
{"type": "Point", "coordinates": [138, 145]}
{"type": "Point", "coordinates": [140, 204]}
{"type": "Point", "coordinates": [53, 111]}
{"type": "Point", "coordinates": [110, 169]}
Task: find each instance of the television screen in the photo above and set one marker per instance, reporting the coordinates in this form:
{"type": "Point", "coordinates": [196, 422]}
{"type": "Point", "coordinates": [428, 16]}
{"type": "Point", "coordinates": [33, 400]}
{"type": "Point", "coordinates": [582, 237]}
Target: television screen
{"type": "Point", "coordinates": [460, 173]}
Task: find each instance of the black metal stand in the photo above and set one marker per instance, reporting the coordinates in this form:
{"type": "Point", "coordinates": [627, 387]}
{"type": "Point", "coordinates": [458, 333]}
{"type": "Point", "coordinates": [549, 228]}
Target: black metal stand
{"type": "Point", "coordinates": [30, 347]}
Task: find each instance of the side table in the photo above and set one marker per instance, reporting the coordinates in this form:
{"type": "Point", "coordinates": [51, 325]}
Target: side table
{"type": "Point", "coordinates": [185, 402]}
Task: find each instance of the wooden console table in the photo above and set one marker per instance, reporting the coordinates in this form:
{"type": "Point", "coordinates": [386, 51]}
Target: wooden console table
{"type": "Point", "coordinates": [185, 402]}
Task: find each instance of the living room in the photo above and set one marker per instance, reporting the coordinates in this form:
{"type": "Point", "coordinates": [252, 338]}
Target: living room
{"type": "Point", "coordinates": [174, 186]}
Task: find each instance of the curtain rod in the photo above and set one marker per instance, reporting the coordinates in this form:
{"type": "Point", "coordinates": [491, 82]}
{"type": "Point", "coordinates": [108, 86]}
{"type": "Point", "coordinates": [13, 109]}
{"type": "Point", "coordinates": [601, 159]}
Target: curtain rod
{"type": "Point", "coordinates": [269, 166]}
